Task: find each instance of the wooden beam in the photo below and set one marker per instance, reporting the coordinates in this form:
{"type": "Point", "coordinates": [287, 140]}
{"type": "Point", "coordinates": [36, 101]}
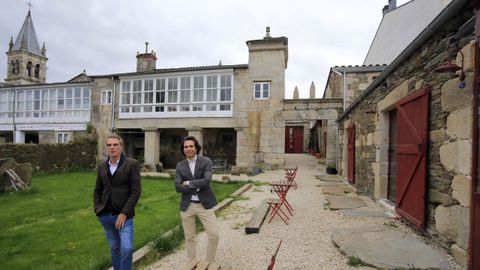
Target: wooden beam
{"type": "Point", "coordinates": [192, 263]}
{"type": "Point", "coordinates": [202, 265]}
{"type": "Point", "coordinates": [255, 223]}
{"type": "Point", "coordinates": [214, 266]}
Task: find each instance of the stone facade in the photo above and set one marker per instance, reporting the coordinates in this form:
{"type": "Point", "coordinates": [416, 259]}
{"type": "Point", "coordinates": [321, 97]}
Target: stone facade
{"type": "Point", "coordinates": [450, 133]}
{"type": "Point", "coordinates": [256, 125]}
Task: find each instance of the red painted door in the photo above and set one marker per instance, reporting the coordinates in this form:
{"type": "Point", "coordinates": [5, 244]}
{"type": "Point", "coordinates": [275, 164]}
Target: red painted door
{"type": "Point", "coordinates": [412, 134]}
{"type": "Point", "coordinates": [298, 139]}
{"type": "Point", "coordinates": [351, 154]}
{"type": "Point", "coordinates": [293, 139]}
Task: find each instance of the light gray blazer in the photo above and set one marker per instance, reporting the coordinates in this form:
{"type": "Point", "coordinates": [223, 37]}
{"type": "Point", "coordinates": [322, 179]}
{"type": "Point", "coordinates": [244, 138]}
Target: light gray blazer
{"type": "Point", "coordinates": [200, 180]}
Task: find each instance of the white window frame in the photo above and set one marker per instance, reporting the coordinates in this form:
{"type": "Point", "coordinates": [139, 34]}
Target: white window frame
{"type": "Point", "coordinates": [186, 94]}
{"type": "Point", "coordinates": [107, 97]}
{"type": "Point", "coordinates": [47, 104]}
{"type": "Point", "coordinates": [62, 137]}
{"type": "Point", "coordinates": [261, 85]}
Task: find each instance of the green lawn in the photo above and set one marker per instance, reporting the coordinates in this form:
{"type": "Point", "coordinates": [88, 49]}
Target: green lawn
{"type": "Point", "coordinates": [53, 226]}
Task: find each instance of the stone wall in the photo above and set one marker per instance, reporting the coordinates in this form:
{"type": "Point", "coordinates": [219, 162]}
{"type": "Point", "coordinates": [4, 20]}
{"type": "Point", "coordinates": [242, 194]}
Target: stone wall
{"type": "Point", "coordinates": [450, 142]}
{"type": "Point", "coordinates": [53, 157]}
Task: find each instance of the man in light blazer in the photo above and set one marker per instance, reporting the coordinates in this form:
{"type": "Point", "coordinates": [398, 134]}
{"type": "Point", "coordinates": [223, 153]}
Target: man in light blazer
{"type": "Point", "coordinates": [116, 193]}
{"type": "Point", "coordinates": [192, 180]}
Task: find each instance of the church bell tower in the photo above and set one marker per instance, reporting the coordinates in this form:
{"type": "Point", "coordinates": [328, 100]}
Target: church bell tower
{"type": "Point", "coordinates": [26, 61]}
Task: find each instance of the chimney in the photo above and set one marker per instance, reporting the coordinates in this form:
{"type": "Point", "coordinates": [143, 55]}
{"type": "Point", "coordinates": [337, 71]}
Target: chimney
{"type": "Point", "coordinates": [146, 62]}
{"type": "Point", "coordinates": [392, 4]}
{"type": "Point", "coordinates": [384, 10]}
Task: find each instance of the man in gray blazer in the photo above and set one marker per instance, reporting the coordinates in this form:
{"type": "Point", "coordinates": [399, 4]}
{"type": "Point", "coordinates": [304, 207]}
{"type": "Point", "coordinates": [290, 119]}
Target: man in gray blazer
{"type": "Point", "coordinates": [192, 180]}
{"type": "Point", "coordinates": [116, 193]}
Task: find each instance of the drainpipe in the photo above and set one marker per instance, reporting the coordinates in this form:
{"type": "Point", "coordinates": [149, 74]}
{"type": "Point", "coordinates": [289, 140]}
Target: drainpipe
{"type": "Point", "coordinates": [114, 79]}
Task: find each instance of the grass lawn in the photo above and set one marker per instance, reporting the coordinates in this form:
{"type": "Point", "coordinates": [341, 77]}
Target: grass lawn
{"type": "Point", "coordinates": [53, 226]}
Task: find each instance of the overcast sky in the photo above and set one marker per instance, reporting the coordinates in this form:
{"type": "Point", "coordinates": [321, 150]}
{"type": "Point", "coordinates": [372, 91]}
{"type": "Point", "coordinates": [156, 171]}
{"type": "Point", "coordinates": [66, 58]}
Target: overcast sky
{"type": "Point", "coordinates": [103, 37]}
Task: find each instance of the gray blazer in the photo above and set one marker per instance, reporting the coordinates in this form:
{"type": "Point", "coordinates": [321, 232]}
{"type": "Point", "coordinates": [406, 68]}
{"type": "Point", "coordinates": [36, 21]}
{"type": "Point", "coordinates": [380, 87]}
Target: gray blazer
{"type": "Point", "coordinates": [200, 180]}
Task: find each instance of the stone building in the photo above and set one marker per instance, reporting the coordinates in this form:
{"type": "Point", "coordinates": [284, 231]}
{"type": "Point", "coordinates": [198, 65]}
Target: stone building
{"type": "Point", "coordinates": [410, 140]}
{"type": "Point", "coordinates": [238, 112]}
{"type": "Point", "coordinates": [32, 111]}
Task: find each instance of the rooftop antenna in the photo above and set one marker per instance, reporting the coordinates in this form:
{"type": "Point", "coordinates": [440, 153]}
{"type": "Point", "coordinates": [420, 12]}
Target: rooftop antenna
{"type": "Point", "coordinates": [146, 47]}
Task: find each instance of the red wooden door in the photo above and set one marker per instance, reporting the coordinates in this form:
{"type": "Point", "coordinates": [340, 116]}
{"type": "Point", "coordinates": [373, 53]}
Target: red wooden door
{"type": "Point", "coordinates": [298, 139]}
{"type": "Point", "coordinates": [293, 139]}
{"type": "Point", "coordinates": [412, 134]}
{"type": "Point", "coordinates": [351, 154]}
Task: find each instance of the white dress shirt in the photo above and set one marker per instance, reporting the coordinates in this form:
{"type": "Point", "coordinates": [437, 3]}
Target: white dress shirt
{"type": "Point", "coordinates": [191, 164]}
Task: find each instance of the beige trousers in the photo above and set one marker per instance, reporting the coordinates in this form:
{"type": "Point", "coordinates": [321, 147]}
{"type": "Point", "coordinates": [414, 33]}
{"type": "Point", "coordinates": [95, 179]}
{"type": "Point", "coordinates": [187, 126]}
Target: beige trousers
{"type": "Point", "coordinates": [209, 221]}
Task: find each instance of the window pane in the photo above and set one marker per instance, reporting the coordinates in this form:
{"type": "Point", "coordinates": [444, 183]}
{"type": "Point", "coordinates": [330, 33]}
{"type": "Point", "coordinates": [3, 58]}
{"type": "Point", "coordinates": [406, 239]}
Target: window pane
{"type": "Point", "coordinates": [78, 103]}
{"type": "Point", "coordinates": [185, 96]}
{"type": "Point", "coordinates": [78, 92]}
{"type": "Point", "coordinates": [211, 107]}
{"type": "Point", "coordinates": [86, 103]}
{"type": "Point", "coordinates": [147, 108]}
{"type": "Point", "coordinates": [160, 84]}
{"type": "Point", "coordinates": [198, 95]}
{"type": "Point", "coordinates": [172, 96]}
{"type": "Point", "coordinates": [211, 94]}
{"type": "Point", "coordinates": [148, 85]}
{"type": "Point", "coordinates": [211, 81]}
{"type": "Point", "coordinates": [126, 98]}
{"type": "Point", "coordinates": [148, 97]}
{"type": "Point", "coordinates": [137, 86]}
{"type": "Point", "coordinates": [172, 83]}
{"type": "Point", "coordinates": [224, 107]}
{"type": "Point", "coordinates": [198, 82]}
{"type": "Point", "coordinates": [266, 89]}
{"type": "Point", "coordinates": [160, 97]}
{"type": "Point", "coordinates": [125, 86]}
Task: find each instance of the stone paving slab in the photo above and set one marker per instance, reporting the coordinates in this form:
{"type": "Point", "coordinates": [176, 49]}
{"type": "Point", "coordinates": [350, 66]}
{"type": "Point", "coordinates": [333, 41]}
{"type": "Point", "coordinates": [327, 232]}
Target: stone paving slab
{"type": "Point", "coordinates": [344, 202]}
{"type": "Point", "coordinates": [341, 189]}
{"type": "Point", "coordinates": [321, 184]}
{"type": "Point", "coordinates": [364, 213]}
{"type": "Point", "coordinates": [386, 247]}
{"type": "Point", "coordinates": [329, 177]}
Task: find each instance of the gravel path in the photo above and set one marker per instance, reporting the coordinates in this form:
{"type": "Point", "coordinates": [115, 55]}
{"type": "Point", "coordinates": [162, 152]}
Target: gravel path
{"type": "Point", "coordinates": [307, 239]}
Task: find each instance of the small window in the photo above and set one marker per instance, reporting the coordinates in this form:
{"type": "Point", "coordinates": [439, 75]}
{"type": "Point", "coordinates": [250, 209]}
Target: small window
{"type": "Point", "coordinates": [63, 137]}
{"type": "Point", "coordinates": [106, 97]}
{"type": "Point", "coordinates": [261, 90]}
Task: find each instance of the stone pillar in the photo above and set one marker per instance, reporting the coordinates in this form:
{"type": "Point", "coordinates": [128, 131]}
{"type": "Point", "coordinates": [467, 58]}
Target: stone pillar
{"type": "Point", "coordinates": [296, 95]}
{"type": "Point", "coordinates": [242, 160]}
{"type": "Point", "coordinates": [19, 136]}
{"type": "Point", "coordinates": [197, 132]}
{"type": "Point", "coordinates": [312, 90]}
{"type": "Point", "coordinates": [331, 155]}
{"type": "Point", "coordinates": [152, 147]}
